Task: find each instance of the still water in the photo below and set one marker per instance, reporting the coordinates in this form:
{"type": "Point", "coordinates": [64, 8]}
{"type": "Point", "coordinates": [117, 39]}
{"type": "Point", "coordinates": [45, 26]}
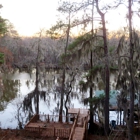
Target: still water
{"type": "Point", "coordinates": [14, 87]}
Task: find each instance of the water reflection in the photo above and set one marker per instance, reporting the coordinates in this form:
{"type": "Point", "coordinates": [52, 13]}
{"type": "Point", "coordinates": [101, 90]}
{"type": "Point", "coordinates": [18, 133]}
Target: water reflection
{"type": "Point", "coordinates": [10, 90]}
{"type": "Point", "coordinates": [18, 85]}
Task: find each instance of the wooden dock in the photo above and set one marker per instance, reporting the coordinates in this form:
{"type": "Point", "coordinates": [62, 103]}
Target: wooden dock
{"type": "Point", "coordinates": [46, 126]}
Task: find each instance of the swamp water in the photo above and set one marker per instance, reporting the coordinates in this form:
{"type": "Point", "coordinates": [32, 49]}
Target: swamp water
{"type": "Point", "coordinates": [18, 85]}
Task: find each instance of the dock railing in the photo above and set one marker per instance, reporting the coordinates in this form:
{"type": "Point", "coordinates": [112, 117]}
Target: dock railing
{"type": "Point", "coordinates": [85, 126]}
{"type": "Point", "coordinates": [35, 118]}
{"type": "Point", "coordinates": [52, 118]}
{"type": "Point", "coordinates": [43, 131]}
{"type": "Point", "coordinates": [33, 130]}
{"type": "Point", "coordinates": [39, 132]}
{"type": "Point", "coordinates": [62, 132]}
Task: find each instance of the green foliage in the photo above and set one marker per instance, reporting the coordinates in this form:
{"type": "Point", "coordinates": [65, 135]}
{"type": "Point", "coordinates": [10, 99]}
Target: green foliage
{"type": "Point", "coordinates": [55, 32]}
{"type": "Point", "coordinates": [115, 67]}
{"type": "Point", "coordinates": [81, 82]}
{"type": "Point", "coordinates": [79, 40]}
{"type": "Point", "coordinates": [101, 97]}
{"type": "Point", "coordinates": [75, 43]}
{"type": "Point", "coordinates": [101, 85]}
{"type": "Point", "coordinates": [1, 58]}
{"type": "Point", "coordinates": [98, 99]}
{"type": "Point", "coordinates": [94, 70]}
{"type": "Point", "coordinates": [111, 49]}
{"type": "Point", "coordinates": [84, 85]}
{"type": "Point", "coordinates": [64, 56]}
{"type": "Point", "coordinates": [3, 26]}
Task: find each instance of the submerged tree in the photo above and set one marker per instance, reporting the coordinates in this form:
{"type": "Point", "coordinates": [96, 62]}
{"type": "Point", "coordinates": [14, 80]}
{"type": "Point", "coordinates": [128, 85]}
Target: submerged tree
{"type": "Point", "coordinates": [38, 62]}
{"type": "Point", "coordinates": [39, 65]}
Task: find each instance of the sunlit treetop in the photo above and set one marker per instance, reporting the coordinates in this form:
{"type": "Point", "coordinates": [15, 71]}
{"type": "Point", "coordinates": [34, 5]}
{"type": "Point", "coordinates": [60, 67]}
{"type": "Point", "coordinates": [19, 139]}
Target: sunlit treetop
{"type": "Point", "coordinates": [3, 25]}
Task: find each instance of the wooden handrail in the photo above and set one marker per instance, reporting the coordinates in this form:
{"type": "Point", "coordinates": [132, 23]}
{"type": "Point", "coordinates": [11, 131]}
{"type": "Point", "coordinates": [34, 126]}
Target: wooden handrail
{"type": "Point", "coordinates": [62, 132]}
{"type": "Point", "coordinates": [33, 119]}
{"type": "Point", "coordinates": [49, 131]}
{"type": "Point", "coordinates": [74, 125]}
{"type": "Point", "coordinates": [52, 118]}
{"type": "Point", "coordinates": [85, 121]}
{"type": "Point", "coordinates": [79, 117]}
{"type": "Point", "coordinates": [85, 127]}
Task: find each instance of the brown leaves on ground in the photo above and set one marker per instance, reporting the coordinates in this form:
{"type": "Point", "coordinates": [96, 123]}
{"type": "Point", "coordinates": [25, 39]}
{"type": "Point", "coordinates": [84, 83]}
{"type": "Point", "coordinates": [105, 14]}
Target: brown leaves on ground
{"type": "Point", "coordinates": [9, 134]}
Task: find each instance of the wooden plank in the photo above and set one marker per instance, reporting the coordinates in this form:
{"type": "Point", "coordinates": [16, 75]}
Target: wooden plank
{"type": "Point", "coordinates": [78, 137]}
{"type": "Point", "coordinates": [73, 110]}
{"type": "Point", "coordinates": [79, 128]}
{"type": "Point", "coordinates": [76, 110]}
{"type": "Point", "coordinates": [35, 125]}
{"type": "Point", "coordinates": [84, 111]}
{"type": "Point", "coordinates": [32, 131]}
{"type": "Point", "coordinates": [62, 132]}
{"type": "Point", "coordinates": [73, 127]}
{"type": "Point", "coordinates": [79, 133]}
{"type": "Point", "coordinates": [47, 132]}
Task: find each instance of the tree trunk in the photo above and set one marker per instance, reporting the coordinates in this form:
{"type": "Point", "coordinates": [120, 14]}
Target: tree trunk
{"type": "Point", "coordinates": [63, 76]}
{"type": "Point", "coordinates": [91, 127]}
{"type": "Point", "coordinates": [37, 77]}
{"type": "Point", "coordinates": [37, 91]}
{"type": "Point", "coordinates": [62, 96]}
{"type": "Point", "coordinates": [107, 73]}
{"type": "Point", "coordinates": [37, 83]}
{"type": "Point", "coordinates": [132, 90]}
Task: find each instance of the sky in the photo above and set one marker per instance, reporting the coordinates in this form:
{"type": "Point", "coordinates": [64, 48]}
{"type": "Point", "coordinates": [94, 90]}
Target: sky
{"type": "Point", "coordinates": [29, 16]}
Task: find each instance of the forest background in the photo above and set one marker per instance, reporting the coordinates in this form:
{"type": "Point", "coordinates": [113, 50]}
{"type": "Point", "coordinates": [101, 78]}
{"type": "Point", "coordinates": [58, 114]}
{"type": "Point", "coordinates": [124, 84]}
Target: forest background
{"type": "Point", "coordinates": [80, 39]}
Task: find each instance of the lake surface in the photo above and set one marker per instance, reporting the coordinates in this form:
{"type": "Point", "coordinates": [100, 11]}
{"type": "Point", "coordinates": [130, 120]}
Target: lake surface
{"type": "Point", "coordinates": [16, 86]}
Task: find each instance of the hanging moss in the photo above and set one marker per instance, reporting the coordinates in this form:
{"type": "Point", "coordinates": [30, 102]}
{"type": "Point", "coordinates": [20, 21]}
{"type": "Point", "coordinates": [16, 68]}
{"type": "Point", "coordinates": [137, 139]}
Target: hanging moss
{"type": "Point", "coordinates": [95, 100]}
{"type": "Point", "coordinates": [43, 95]}
{"type": "Point", "coordinates": [75, 43]}
{"type": "Point", "coordinates": [27, 102]}
{"type": "Point", "coordinates": [79, 40]}
{"type": "Point", "coordinates": [111, 49]}
{"type": "Point", "coordinates": [1, 58]}
{"type": "Point", "coordinates": [81, 82]}
{"type": "Point", "coordinates": [94, 70]}
{"type": "Point", "coordinates": [84, 85]}
{"type": "Point", "coordinates": [101, 85]}
{"type": "Point", "coordinates": [64, 56]}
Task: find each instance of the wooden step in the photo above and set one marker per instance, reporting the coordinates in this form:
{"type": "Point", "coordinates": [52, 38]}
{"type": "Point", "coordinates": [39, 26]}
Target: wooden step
{"type": "Point", "coordinates": [78, 133]}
